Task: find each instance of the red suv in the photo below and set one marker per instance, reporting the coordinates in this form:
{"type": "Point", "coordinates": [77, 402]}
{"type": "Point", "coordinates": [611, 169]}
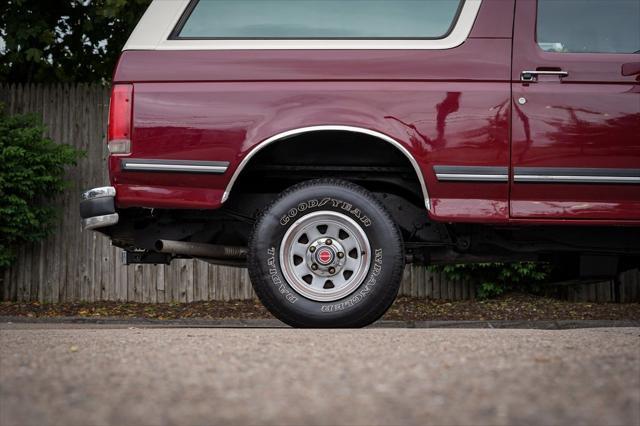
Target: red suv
{"type": "Point", "coordinates": [325, 144]}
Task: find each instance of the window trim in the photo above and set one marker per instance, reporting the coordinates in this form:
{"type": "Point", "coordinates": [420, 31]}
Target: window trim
{"type": "Point", "coordinates": [162, 18]}
{"type": "Point", "coordinates": [175, 33]}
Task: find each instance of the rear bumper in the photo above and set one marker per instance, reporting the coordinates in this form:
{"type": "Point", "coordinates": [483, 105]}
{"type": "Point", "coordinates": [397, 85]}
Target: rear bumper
{"type": "Point", "coordinates": [97, 208]}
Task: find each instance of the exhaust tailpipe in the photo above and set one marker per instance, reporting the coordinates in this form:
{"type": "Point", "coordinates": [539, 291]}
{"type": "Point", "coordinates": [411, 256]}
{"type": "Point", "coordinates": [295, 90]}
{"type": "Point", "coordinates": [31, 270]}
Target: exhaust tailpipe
{"type": "Point", "coordinates": [212, 251]}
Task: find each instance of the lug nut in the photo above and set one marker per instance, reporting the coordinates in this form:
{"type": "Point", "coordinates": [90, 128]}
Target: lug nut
{"type": "Point", "coordinates": [332, 270]}
{"type": "Point", "coordinates": [340, 255]}
{"type": "Point", "coordinates": [328, 242]}
{"type": "Point", "coordinates": [314, 266]}
{"type": "Point", "coordinates": [312, 249]}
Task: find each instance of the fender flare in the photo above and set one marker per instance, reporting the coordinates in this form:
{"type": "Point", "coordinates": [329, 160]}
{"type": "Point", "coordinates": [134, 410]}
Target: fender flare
{"type": "Point", "coordinates": [302, 130]}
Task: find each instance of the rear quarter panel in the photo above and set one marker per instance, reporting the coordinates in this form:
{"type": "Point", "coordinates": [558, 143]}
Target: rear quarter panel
{"type": "Point", "coordinates": [446, 107]}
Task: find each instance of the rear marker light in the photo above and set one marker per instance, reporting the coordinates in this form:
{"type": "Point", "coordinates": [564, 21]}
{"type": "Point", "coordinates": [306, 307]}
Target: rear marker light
{"type": "Point", "coordinates": [119, 146]}
{"type": "Point", "coordinates": [120, 109]}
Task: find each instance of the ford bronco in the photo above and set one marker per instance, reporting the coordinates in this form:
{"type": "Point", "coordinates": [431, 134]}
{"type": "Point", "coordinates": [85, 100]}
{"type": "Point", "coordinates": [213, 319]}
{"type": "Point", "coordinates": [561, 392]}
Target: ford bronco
{"type": "Point", "coordinates": [324, 144]}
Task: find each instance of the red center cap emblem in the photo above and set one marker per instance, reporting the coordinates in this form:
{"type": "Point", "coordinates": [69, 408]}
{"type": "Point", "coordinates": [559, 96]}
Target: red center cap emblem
{"type": "Point", "coordinates": [325, 256]}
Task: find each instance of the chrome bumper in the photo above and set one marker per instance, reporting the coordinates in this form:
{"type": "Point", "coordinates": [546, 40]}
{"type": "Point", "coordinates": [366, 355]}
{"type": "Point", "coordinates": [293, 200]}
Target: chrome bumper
{"type": "Point", "coordinates": [97, 208]}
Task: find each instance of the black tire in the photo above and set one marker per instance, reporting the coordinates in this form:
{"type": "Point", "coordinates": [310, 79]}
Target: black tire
{"type": "Point", "coordinates": [373, 295]}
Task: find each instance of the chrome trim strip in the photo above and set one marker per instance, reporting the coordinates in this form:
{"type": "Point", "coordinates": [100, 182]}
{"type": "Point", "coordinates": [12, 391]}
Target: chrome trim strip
{"type": "Point", "coordinates": [181, 166]}
{"type": "Point", "coordinates": [576, 175]}
{"type": "Point", "coordinates": [154, 30]}
{"type": "Point", "coordinates": [576, 179]}
{"type": "Point", "coordinates": [299, 131]}
{"type": "Point", "coordinates": [100, 221]}
{"type": "Point", "coordinates": [174, 168]}
{"type": "Point", "coordinates": [100, 192]}
{"type": "Point", "coordinates": [471, 177]}
{"type": "Point", "coordinates": [472, 173]}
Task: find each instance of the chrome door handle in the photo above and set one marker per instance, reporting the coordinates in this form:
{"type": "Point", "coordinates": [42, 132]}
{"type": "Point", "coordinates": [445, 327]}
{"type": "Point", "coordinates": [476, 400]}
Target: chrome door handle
{"type": "Point", "coordinates": [532, 76]}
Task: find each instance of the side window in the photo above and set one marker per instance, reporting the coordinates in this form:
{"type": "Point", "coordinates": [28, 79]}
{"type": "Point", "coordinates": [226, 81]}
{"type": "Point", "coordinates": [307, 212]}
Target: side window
{"type": "Point", "coordinates": [319, 19]}
{"type": "Point", "coordinates": [589, 26]}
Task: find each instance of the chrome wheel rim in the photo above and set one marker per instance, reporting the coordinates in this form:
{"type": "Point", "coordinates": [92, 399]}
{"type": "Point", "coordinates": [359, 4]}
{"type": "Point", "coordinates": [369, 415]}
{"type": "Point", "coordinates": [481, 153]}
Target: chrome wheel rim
{"type": "Point", "coordinates": [325, 256]}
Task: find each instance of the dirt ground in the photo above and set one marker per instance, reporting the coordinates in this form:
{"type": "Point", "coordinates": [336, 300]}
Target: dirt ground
{"type": "Point", "coordinates": [508, 307]}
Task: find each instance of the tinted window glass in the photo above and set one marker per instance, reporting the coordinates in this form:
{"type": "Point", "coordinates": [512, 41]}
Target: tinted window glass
{"type": "Point", "coordinates": [320, 19]}
{"type": "Point", "coordinates": [589, 25]}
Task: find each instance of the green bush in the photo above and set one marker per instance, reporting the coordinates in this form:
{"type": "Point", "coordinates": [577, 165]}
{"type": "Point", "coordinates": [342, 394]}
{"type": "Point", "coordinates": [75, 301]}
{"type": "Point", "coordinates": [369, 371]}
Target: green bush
{"type": "Point", "coordinates": [32, 169]}
{"type": "Point", "coordinates": [494, 279]}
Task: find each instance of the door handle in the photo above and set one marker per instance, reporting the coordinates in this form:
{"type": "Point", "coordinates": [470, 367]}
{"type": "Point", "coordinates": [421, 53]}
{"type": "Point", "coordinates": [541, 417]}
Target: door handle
{"type": "Point", "coordinates": [532, 76]}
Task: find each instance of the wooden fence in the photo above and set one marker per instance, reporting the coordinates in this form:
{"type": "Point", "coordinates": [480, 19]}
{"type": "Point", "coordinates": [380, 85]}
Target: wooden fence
{"type": "Point", "coordinates": [73, 265]}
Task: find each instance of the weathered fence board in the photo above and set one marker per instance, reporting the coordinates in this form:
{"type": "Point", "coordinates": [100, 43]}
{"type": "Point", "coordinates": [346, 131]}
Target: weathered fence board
{"type": "Point", "coordinates": [629, 289]}
{"type": "Point", "coordinates": [72, 265]}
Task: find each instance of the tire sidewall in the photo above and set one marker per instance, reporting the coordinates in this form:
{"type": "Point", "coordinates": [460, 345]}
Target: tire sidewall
{"type": "Point", "coordinates": [353, 202]}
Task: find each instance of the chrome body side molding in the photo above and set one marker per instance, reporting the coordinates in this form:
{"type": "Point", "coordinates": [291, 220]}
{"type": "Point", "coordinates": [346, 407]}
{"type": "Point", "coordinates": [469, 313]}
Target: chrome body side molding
{"type": "Point", "coordinates": [178, 166]}
{"type": "Point", "coordinates": [471, 173]}
{"type": "Point", "coordinates": [576, 175]}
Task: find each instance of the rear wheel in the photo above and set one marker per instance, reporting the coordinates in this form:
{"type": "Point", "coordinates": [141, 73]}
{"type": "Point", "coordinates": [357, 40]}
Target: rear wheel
{"type": "Point", "coordinates": [326, 253]}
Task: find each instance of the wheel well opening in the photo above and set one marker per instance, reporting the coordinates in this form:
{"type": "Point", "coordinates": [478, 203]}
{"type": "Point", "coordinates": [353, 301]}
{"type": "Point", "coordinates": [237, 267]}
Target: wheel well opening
{"type": "Point", "coordinates": [357, 157]}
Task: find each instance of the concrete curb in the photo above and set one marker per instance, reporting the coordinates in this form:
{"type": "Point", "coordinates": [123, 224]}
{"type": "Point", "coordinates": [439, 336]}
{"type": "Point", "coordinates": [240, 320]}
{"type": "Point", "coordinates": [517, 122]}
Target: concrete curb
{"type": "Point", "coordinates": [274, 323]}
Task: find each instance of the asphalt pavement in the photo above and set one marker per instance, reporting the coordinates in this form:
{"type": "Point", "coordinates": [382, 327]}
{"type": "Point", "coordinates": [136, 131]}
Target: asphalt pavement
{"type": "Point", "coordinates": [83, 374]}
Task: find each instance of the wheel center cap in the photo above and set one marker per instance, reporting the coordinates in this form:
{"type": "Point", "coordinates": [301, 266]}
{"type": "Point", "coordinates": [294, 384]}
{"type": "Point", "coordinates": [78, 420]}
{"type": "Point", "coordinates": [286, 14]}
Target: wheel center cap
{"type": "Point", "coordinates": [325, 256]}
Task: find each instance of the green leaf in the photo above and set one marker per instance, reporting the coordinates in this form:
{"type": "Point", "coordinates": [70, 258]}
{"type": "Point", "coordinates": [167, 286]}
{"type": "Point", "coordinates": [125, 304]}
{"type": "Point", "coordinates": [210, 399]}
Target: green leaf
{"type": "Point", "coordinates": [33, 54]}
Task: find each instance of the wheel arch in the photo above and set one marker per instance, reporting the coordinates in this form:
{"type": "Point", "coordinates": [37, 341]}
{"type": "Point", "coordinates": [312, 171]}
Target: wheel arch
{"type": "Point", "coordinates": [325, 128]}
